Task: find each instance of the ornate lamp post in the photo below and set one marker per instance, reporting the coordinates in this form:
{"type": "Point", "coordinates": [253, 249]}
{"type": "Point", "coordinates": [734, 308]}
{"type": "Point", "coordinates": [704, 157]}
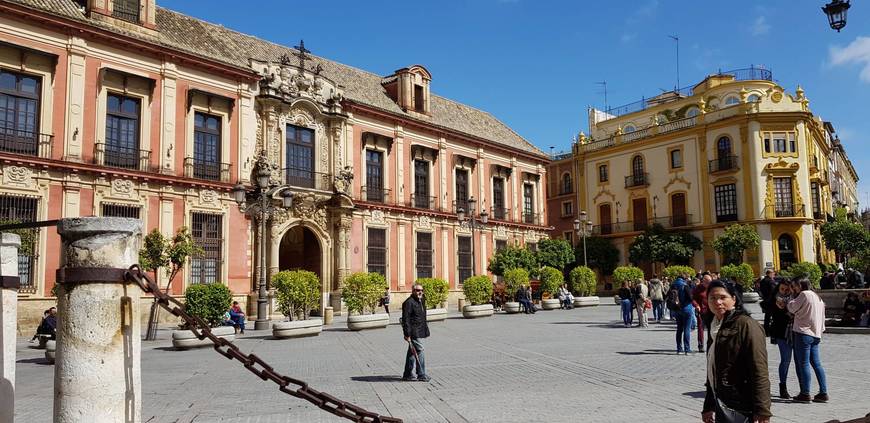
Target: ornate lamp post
{"type": "Point", "coordinates": [474, 222]}
{"type": "Point", "coordinates": [836, 11]}
{"type": "Point", "coordinates": [258, 204]}
{"type": "Point", "coordinates": [583, 227]}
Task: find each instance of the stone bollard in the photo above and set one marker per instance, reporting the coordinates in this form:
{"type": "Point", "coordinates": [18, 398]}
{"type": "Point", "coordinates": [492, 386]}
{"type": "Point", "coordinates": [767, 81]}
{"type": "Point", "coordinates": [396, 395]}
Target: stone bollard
{"type": "Point", "coordinates": [328, 314]}
{"type": "Point", "coordinates": [9, 283]}
{"type": "Point", "coordinates": [97, 374]}
{"type": "Point", "coordinates": [461, 304]}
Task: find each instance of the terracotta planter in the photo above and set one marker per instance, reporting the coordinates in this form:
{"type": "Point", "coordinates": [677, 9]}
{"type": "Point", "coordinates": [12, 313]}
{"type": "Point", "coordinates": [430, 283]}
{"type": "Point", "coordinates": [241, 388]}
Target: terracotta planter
{"type": "Point", "coordinates": [297, 328]}
{"type": "Point", "coordinates": [368, 321]}
{"type": "Point", "coordinates": [586, 301]}
{"type": "Point", "coordinates": [184, 339]}
{"type": "Point", "coordinates": [511, 307]}
{"type": "Point", "coordinates": [551, 304]}
{"type": "Point", "coordinates": [751, 297]}
{"type": "Point", "coordinates": [436, 315]}
{"type": "Point", "coordinates": [475, 311]}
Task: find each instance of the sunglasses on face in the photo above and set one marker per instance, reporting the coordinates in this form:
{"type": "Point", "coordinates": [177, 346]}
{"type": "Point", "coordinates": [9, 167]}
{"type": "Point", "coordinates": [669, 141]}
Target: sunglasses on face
{"type": "Point", "coordinates": [418, 290]}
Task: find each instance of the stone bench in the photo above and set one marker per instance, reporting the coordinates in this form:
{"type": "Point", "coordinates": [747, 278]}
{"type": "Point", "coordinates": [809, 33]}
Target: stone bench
{"type": "Point", "coordinates": [184, 339]}
{"type": "Point", "coordinates": [297, 328]}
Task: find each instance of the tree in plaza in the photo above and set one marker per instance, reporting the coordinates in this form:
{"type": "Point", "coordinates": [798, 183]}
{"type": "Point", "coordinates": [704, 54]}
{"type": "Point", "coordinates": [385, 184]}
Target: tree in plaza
{"type": "Point", "coordinates": [513, 257]}
{"type": "Point", "coordinates": [656, 245]}
{"type": "Point", "coordinates": [159, 252]}
{"type": "Point", "coordinates": [555, 253]}
{"type": "Point", "coordinates": [600, 254]}
{"type": "Point", "coordinates": [848, 239]}
{"type": "Point", "coordinates": [736, 239]}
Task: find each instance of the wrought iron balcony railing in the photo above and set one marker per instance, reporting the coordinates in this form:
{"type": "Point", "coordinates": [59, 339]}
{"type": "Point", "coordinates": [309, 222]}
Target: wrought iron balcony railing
{"type": "Point", "coordinates": [25, 142]}
{"type": "Point", "coordinates": [723, 164]}
{"type": "Point", "coordinates": [638, 180]}
{"type": "Point", "coordinates": [205, 169]}
{"type": "Point", "coordinates": [501, 213]}
{"type": "Point", "coordinates": [423, 201]}
{"type": "Point", "coordinates": [306, 178]}
{"type": "Point", "coordinates": [784, 210]}
{"type": "Point", "coordinates": [122, 157]}
{"type": "Point", "coordinates": [531, 218]}
{"type": "Point", "coordinates": [375, 194]}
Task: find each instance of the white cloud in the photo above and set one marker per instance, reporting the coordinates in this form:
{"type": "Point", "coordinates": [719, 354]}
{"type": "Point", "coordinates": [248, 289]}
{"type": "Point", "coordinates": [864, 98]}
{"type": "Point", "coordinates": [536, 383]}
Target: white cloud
{"type": "Point", "coordinates": [627, 37]}
{"type": "Point", "coordinates": [857, 52]}
{"type": "Point", "coordinates": [760, 26]}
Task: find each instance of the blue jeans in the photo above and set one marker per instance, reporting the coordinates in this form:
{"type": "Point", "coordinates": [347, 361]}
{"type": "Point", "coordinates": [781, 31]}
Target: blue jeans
{"type": "Point", "coordinates": [784, 358]}
{"type": "Point", "coordinates": [685, 318]}
{"type": "Point", "coordinates": [411, 361]}
{"type": "Point", "coordinates": [626, 311]}
{"type": "Point", "coordinates": [658, 309]}
{"type": "Point", "coordinates": [806, 354]}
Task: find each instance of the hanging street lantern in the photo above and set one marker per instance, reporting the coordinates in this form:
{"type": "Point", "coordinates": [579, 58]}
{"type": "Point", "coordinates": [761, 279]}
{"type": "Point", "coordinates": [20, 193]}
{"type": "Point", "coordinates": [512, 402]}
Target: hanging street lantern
{"type": "Point", "coordinates": [836, 11]}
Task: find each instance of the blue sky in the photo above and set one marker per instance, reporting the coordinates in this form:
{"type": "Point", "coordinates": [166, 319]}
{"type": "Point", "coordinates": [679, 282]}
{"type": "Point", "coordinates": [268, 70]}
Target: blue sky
{"type": "Point", "coordinates": [535, 64]}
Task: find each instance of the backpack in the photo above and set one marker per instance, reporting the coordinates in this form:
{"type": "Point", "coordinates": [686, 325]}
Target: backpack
{"type": "Point", "coordinates": [673, 300]}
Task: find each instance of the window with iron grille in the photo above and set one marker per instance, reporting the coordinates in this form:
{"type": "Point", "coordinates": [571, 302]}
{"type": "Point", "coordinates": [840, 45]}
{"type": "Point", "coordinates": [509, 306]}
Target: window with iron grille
{"type": "Point", "coordinates": [120, 210]}
{"type": "Point", "coordinates": [17, 209]}
{"type": "Point", "coordinates": [206, 146]}
{"type": "Point", "coordinates": [817, 201]}
{"type": "Point", "coordinates": [528, 203]}
{"type": "Point", "coordinates": [19, 112]}
{"type": "Point", "coordinates": [782, 196]}
{"type": "Point", "coordinates": [122, 132]}
{"type": "Point", "coordinates": [127, 10]}
{"type": "Point", "coordinates": [726, 202]}
{"type": "Point", "coordinates": [421, 184]}
{"type": "Point", "coordinates": [500, 244]}
{"type": "Point", "coordinates": [300, 156]}
{"type": "Point", "coordinates": [464, 259]}
{"type": "Point", "coordinates": [207, 232]}
{"type": "Point", "coordinates": [377, 251]}
{"type": "Point", "coordinates": [424, 255]}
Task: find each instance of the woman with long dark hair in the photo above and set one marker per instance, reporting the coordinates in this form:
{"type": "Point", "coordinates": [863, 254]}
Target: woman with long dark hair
{"type": "Point", "coordinates": [780, 330]}
{"type": "Point", "coordinates": [738, 389]}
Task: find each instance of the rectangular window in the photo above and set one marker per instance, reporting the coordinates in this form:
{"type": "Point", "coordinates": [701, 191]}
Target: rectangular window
{"type": "Point", "coordinates": [498, 209]}
{"type": "Point", "coordinates": [206, 146]}
{"type": "Point", "coordinates": [19, 113]}
{"type": "Point", "coordinates": [424, 255]}
{"type": "Point", "coordinates": [462, 190]}
{"type": "Point", "coordinates": [419, 100]}
{"type": "Point", "coordinates": [422, 199]}
{"type": "Point", "coordinates": [127, 10]}
{"type": "Point", "coordinates": [602, 173]}
{"type": "Point", "coordinates": [532, 246]}
{"type": "Point", "coordinates": [122, 132]}
{"type": "Point", "coordinates": [817, 201]}
{"type": "Point", "coordinates": [377, 251]}
{"type": "Point", "coordinates": [206, 229]}
{"type": "Point", "coordinates": [569, 236]}
{"type": "Point", "coordinates": [120, 210]}
{"type": "Point", "coordinates": [16, 209]}
{"type": "Point", "coordinates": [726, 202]}
{"type": "Point", "coordinates": [782, 196]}
{"type": "Point", "coordinates": [375, 176]}
{"type": "Point", "coordinates": [567, 209]}
{"type": "Point", "coordinates": [780, 142]}
{"type": "Point", "coordinates": [528, 203]}
{"type": "Point", "coordinates": [676, 159]}
{"type": "Point", "coordinates": [500, 244]}
{"type": "Point", "coordinates": [299, 156]}
{"type": "Point", "coordinates": [464, 259]}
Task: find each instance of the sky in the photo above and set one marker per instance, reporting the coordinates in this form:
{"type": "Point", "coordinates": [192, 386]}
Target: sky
{"type": "Point", "coordinates": [537, 64]}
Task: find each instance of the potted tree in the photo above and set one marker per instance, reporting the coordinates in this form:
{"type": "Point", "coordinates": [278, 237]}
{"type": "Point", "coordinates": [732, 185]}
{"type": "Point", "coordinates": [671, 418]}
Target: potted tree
{"type": "Point", "coordinates": [625, 274]}
{"type": "Point", "coordinates": [361, 293]}
{"type": "Point", "coordinates": [478, 291]}
{"type": "Point", "coordinates": [513, 280]}
{"type": "Point", "coordinates": [742, 274]}
{"type": "Point", "coordinates": [551, 281]}
{"type": "Point", "coordinates": [297, 292]}
{"type": "Point", "coordinates": [208, 302]}
{"type": "Point", "coordinates": [583, 283]}
{"type": "Point", "coordinates": [435, 293]}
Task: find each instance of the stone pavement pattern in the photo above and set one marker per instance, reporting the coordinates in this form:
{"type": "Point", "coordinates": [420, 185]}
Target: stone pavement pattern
{"type": "Point", "coordinates": [555, 366]}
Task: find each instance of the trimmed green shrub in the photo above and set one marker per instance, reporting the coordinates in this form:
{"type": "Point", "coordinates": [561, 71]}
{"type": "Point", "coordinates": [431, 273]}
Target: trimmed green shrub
{"type": "Point", "coordinates": [551, 280]}
{"type": "Point", "coordinates": [513, 257]}
{"type": "Point", "coordinates": [672, 272]}
{"type": "Point", "coordinates": [807, 270]}
{"type": "Point", "coordinates": [741, 273]}
{"type": "Point", "coordinates": [583, 281]}
{"type": "Point", "coordinates": [434, 291]}
{"type": "Point", "coordinates": [626, 274]}
{"type": "Point", "coordinates": [515, 278]}
{"type": "Point", "coordinates": [477, 289]}
{"type": "Point", "coordinates": [362, 290]}
{"type": "Point", "coordinates": [208, 301]}
{"type": "Point", "coordinates": [297, 292]}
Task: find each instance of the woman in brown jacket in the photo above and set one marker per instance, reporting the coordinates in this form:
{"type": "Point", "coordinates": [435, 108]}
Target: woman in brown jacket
{"type": "Point", "coordinates": [738, 388]}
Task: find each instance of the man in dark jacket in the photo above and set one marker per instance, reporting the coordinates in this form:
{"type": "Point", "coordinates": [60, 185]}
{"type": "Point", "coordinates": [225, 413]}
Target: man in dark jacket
{"type": "Point", "coordinates": [415, 329]}
{"type": "Point", "coordinates": [766, 290]}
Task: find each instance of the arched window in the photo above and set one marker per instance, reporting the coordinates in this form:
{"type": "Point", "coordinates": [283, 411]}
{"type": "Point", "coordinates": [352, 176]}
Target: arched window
{"type": "Point", "coordinates": [566, 184]}
{"type": "Point", "coordinates": [732, 100]}
{"type": "Point", "coordinates": [692, 112]}
{"type": "Point", "coordinates": [637, 165]}
{"type": "Point", "coordinates": [723, 147]}
{"type": "Point", "coordinates": [754, 98]}
{"type": "Point", "coordinates": [628, 129]}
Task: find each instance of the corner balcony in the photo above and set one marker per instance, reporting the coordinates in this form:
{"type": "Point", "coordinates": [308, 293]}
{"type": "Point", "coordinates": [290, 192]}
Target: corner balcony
{"type": "Point", "coordinates": [723, 164]}
{"type": "Point", "coordinates": [784, 211]}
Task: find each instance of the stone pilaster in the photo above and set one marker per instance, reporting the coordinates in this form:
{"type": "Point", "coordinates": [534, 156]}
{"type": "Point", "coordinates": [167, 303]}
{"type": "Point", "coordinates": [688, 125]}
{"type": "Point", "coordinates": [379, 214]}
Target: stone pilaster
{"type": "Point", "coordinates": [9, 244]}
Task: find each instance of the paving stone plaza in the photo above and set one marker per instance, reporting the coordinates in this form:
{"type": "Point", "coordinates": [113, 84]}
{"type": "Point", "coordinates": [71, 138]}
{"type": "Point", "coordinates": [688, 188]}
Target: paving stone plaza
{"type": "Point", "coordinates": [556, 366]}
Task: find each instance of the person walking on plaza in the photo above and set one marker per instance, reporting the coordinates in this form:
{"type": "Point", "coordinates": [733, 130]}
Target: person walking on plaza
{"type": "Point", "coordinates": [699, 297]}
{"type": "Point", "coordinates": [780, 332]}
{"type": "Point", "coordinates": [766, 287]}
{"type": "Point", "coordinates": [657, 296]}
{"type": "Point", "coordinates": [415, 328]}
{"type": "Point", "coordinates": [641, 294]}
{"type": "Point", "coordinates": [625, 304]}
{"type": "Point", "coordinates": [809, 323]}
{"type": "Point", "coordinates": [680, 301]}
{"type": "Point", "coordinates": [738, 388]}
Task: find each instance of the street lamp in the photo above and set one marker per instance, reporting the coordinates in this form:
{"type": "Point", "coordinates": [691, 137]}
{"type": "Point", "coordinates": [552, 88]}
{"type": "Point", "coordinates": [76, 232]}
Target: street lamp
{"type": "Point", "coordinates": [583, 227]}
{"type": "Point", "coordinates": [836, 11]}
{"type": "Point", "coordinates": [474, 221]}
{"type": "Point", "coordinates": [258, 204]}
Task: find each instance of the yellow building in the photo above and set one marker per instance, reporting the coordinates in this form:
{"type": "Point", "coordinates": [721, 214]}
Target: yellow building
{"type": "Point", "coordinates": [735, 148]}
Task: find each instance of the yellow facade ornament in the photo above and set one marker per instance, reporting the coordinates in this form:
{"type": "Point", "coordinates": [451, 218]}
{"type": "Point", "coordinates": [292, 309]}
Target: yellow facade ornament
{"type": "Point", "coordinates": [744, 94]}
{"type": "Point", "coordinates": [702, 106]}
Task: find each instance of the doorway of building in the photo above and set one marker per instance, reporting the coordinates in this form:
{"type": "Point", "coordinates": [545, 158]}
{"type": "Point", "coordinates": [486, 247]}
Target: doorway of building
{"type": "Point", "coordinates": [787, 251]}
{"type": "Point", "coordinates": [300, 250]}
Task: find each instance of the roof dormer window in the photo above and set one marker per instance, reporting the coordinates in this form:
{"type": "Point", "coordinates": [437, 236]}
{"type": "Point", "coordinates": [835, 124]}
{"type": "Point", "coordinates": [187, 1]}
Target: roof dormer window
{"type": "Point", "coordinates": [127, 10]}
{"type": "Point", "coordinates": [419, 99]}
{"type": "Point", "coordinates": [409, 88]}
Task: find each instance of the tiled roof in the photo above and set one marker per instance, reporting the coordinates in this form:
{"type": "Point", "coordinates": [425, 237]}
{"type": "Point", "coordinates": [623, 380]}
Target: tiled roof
{"type": "Point", "coordinates": [214, 42]}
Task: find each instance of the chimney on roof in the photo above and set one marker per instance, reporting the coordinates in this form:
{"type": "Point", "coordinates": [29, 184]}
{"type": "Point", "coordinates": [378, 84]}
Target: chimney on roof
{"type": "Point", "coordinates": [409, 88]}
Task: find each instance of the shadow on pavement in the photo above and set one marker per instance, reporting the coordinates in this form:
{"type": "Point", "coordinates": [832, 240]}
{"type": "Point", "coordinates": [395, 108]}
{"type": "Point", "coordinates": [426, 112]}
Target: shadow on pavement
{"type": "Point", "coordinates": [376, 378]}
{"type": "Point", "coordinates": [648, 352]}
{"type": "Point", "coordinates": [38, 360]}
{"type": "Point", "coordinates": [696, 394]}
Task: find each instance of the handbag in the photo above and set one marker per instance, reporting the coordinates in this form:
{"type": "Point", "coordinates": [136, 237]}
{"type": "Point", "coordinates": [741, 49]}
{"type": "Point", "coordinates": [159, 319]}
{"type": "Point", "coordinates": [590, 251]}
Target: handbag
{"type": "Point", "coordinates": [647, 304]}
{"type": "Point", "coordinates": [725, 414]}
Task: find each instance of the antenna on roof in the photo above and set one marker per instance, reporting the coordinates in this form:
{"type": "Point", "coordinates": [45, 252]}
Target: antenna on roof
{"type": "Point", "coordinates": [677, 39]}
{"type": "Point", "coordinates": [604, 83]}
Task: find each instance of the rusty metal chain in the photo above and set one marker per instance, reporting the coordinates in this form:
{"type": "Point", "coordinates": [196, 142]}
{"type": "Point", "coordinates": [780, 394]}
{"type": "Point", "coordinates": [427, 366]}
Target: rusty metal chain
{"type": "Point", "coordinates": [254, 364]}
